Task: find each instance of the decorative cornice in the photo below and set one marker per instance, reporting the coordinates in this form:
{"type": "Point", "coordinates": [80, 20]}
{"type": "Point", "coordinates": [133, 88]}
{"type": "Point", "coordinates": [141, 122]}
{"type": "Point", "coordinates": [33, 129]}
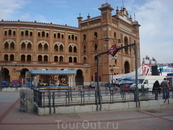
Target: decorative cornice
{"type": "Point", "coordinates": [38, 24]}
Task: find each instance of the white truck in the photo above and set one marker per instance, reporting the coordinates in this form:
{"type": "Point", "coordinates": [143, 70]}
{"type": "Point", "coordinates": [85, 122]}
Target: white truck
{"type": "Point", "coordinates": [147, 82]}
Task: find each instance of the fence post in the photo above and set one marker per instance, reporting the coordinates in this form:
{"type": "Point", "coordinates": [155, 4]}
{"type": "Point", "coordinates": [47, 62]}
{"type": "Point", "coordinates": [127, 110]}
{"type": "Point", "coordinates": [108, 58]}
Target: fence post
{"type": "Point", "coordinates": [49, 97]}
{"type": "Point", "coordinates": [82, 97]}
{"type": "Point", "coordinates": [53, 98]}
{"type": "Point", "coordinates": [79, 89]}
{"type": "Point", "coordinates": [67, 98]}
{"type": "Point", "coordinates": [111, 96]}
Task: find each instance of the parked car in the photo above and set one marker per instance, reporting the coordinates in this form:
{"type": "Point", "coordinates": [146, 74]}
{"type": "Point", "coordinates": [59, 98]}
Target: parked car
{"type": "Point", "coordinates": [4, 84]}
{"type": "Point", "coordinates": [15, 83]}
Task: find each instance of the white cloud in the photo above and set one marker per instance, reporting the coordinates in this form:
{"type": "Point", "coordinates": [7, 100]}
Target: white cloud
{"type": "Point", "coordinates": [26, 16]}
{"type": "Point", "coordinates": [8, 9]}
{"type": "Point", "coordinates": [156, 31]}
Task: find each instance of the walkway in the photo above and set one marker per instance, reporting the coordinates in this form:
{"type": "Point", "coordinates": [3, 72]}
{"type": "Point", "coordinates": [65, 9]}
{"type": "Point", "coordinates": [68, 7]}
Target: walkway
{"type": "Point", "coordinates": [12, 119]}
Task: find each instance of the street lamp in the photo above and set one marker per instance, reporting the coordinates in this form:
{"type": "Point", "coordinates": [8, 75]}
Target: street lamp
{"type": "Point", "coordinates": [107, 39]}
{"type": "Point", "coordinates": [136, 92]}
{"type": "Point", "coordinates": [111, 51]}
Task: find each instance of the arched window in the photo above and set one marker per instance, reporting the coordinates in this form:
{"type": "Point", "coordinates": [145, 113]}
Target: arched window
{"type": "Point", "coordinates": [68, 36]}
{"type": "Point", "coordinates": [28, 57]}
{"type": "Point", "coordinates": [45, 58]}
{"type": "Point", "coordinates": [22, 33]}
{"type": "Point", "coordinates": [84, 37]}
{"type": "Point", "coordinates": [70, 59]}
{"type": "Point", "coordinates": [56, 47]}
{"type": "Point", "coordinates": [75, 60]}
{"type": "Point", "coordinates": [29, 46]}
{"type": "Point", "coordinates": [6, 45]}
{"type": "Point", "coordinates": [43, 34]}
{"type": "Point", "coordinates": [39, 34]}
{"type": "Point", "coordinates": [95, 59]}
{"type": "Point", "coordinates": [95, 47]}
{"type": "Point", "coordinates": [84, 60]}
{"type": "Point", "coordinates": [9, 32]}
{"type": "Point", "coordinates": [56, 59]}
{"type": "Point", "coordinates": [12, 45]}
{"type": "Point", "coordinates": [45, 47]}
{"type": "Point", "coordinates": [126, 43]}
{"type": "Point", "coordinates": [95, 34]}
{"type": "Point", "coordinates": [72, 37]}
{"type": "Point", "coordinates": [115, 35]}
{"type": "Point", "coordinates": [75, 49]}
{"type": "Point", "coordinates": [115, 61]}
{"type": "Point", "coordinates": [61, 47]}
{"type": "Point", "coordinates": [61, 59]}
{"type": "Point", "coordinates": [39, 58]}
{"type": "Point", "coordinates": [5, 33]}
{"type": "Point", "coordinates": [62, 36]}
{"type": "Point", "coordinates": [30, 33]}
{"type": "Point", "coordinates": [54, 35]}
{"type": "Point", "coordinates": [22, 57]}
{"type": "Point", "coordinates": [14, 33]}
{"type": "Point", "coordinates": [47, 34]}
{"type": "Point", "coordinates": [39, 46]}
{"type": "Point", "coordinates": [26, 33]}
{"type": "Point", "coordinates": [5, 57]}
{"type": "Point", "coordinates": [59, 35]}
{"type": "Point", "coordinates": [84, 48]}
{"type": "Point", "coordinates": [23, 46]}
{"type": "Point", "coordinates": [11, 57]}
{"type": "Point", "coordinates": [75, 37]}
{"type": "Point", "coordinates": [70, 48]}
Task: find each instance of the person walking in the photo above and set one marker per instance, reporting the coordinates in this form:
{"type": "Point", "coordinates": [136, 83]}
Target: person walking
{"type": "Point", "coordinates": [165, 89]}
{"type": "Point", "coordinates": [156, 89]}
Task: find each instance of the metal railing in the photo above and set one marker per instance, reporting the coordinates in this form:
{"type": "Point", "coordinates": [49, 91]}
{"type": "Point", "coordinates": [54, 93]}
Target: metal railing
{"type": "Point", "coordinates": [70, 97]}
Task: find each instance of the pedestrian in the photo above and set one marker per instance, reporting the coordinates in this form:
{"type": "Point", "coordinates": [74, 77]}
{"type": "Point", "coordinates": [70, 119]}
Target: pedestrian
{"type": "Point", "coordinates": [156, 89]}
{"type": "Point", "coordinates": [165, 89]}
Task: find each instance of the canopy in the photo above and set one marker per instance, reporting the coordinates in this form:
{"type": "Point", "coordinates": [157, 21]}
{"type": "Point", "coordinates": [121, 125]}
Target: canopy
{"type": "Point", "coordinates": [52, 72]}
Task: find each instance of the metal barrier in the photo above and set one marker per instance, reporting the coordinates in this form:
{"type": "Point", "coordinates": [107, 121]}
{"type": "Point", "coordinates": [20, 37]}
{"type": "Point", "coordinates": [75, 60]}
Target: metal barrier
{"type": "Point", "coordinates": [68, 97]}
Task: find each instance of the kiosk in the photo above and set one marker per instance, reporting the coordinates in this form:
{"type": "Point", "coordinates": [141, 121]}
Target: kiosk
{"type": "Point", "coordinates": [66, 82]}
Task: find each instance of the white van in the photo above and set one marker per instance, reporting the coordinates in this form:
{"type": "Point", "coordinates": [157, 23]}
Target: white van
{"type": "Point", "coordinates": [147, 82]}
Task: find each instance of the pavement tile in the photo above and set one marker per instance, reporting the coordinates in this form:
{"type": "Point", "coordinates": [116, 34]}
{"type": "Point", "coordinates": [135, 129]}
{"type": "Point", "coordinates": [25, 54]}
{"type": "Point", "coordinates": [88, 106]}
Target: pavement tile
{"type": "Point", "coordinates": [12, 119]}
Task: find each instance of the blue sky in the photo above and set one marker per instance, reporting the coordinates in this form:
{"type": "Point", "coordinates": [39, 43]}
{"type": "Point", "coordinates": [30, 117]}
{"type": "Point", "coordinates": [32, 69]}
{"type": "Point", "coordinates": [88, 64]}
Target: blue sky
{"type": "Point", "coordinates": [155, 17]}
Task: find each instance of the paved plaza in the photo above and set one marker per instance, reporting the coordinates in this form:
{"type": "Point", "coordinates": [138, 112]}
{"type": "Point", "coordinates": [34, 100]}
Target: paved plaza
{"type": "Point", "coordinates": [12, 119]}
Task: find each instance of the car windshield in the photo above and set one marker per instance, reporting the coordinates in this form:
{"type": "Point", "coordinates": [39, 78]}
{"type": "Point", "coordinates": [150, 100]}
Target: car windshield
{"type": "Point", "coordinates": [140, 81]}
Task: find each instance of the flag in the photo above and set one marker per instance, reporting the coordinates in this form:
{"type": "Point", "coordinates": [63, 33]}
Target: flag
{"type": "Point", "coordinates": [153, 59]}
{"type": "Point", "coordinates": [147, 58]}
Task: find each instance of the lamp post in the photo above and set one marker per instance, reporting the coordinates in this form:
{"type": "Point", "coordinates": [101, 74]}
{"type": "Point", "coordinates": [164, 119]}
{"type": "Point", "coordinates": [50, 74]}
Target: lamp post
{"type": "Point", "coordinates": [112, 51]}
{"type": "Point", "coordinates": [136, 92]}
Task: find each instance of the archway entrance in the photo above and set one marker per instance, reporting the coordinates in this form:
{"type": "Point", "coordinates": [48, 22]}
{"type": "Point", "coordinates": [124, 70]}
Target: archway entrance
{"type": "Point", "coordinates": [22, 74]}
{"type": "Point", "coordinates": [79, 77]}
{"type": "Point", "coordinates": [5, 75]}
{"type": "Point", "coordinates": [126, 67]}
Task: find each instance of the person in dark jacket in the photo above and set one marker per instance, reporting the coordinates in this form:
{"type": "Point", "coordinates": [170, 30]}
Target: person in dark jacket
{"type": "Point", "coordinates": [156, 89]}
{"type": "Point", "coordinates": [165, 88]}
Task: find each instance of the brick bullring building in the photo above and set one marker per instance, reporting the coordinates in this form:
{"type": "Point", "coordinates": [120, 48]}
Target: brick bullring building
{"type": "Point", "coordinates": [35, 45]}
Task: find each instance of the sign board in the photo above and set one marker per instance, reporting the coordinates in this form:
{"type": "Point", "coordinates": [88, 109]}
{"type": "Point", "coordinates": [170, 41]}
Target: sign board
{"type": "Point", "coordinates": [113, 58]}
{"type": "Point", "coordinates": [113, 50]}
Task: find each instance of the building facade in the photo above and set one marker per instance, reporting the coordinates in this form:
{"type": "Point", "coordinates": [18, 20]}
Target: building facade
{"type": "Point", "coordinates": [35, 45]}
